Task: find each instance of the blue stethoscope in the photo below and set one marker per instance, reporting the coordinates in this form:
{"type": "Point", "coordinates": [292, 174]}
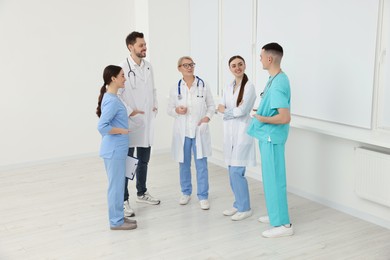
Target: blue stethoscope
{"type": "Point", "coordinates": [179, 96]}
{"type": "Point", "coordinates": [131, 72]}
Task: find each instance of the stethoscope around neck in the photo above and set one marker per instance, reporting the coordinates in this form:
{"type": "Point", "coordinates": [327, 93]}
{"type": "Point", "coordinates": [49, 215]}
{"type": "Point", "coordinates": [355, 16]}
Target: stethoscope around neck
{"type": "Point", "coordinates": [130, 70]}
{"type": "Point", "coordinates": [179, 95]}
{"type": "Point", "coordinates": [262, 94]}
{"type": "Point", "coordinates": [130, 73]}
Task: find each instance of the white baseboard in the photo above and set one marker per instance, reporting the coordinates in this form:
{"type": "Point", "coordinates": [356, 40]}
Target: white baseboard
{"type": "Point", "coordinates": [251, 172]}
{"type": "Point", "coordinates": [343, 208]}
{"type": "Point", "coordinates": [65, 158]}
{"type": "Point", "coordinates": [47, 161]}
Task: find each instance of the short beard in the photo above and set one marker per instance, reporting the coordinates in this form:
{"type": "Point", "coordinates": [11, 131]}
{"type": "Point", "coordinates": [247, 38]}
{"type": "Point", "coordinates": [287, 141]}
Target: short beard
{"type": "Point", "coordinates": [140, 55]}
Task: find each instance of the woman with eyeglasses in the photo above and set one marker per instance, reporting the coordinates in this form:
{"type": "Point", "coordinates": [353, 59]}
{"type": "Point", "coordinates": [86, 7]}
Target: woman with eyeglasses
{"type": "Point", "coordinates": [191, 104]}
{"type": "Point", "coordinates": [239, 148]}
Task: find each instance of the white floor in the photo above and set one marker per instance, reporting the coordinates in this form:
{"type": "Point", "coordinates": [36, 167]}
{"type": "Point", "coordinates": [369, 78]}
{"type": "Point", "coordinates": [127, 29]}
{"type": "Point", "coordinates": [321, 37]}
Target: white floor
{"type": "Point", "coordinates": [59, 211]}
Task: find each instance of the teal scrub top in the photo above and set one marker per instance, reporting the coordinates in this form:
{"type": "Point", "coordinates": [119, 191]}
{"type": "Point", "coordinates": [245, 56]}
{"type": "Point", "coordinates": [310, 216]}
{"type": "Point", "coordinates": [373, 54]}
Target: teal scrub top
{"type": "Point", "coordinates": [276, 95]}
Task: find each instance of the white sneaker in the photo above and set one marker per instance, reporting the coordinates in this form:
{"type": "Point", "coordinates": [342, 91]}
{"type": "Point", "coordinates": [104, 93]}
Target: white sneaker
{"type": "Point", "coordinates": [129, 212]}
{"type": "Point", "coordinates": [264, 219]}
{"type": "Point", "coordinates": [281, 231]}
{"type": "Point", "coordinates": [184, 199]}
{"type": "Point", "coordinates": [147, 198]}
{"type": "Point", "coordinates": [242, 215]}
{"type": "Point", "coordinates": [230, 212]}
{"type": "Point", "coordinates": [204, 204]}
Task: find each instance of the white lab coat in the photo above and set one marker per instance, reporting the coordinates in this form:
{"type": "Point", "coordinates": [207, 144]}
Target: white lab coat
{"type": "Point", "coordinates": [139, 93]}
{"type": "Point", "coordinates": [197, 108]}
{"type": "Point", "coordinates": [239, 147]}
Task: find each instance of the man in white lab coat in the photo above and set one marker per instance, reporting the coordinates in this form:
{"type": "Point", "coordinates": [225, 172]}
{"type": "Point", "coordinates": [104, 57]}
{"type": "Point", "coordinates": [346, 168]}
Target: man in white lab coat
{"type": "Point", "coordinates": [139, 98]}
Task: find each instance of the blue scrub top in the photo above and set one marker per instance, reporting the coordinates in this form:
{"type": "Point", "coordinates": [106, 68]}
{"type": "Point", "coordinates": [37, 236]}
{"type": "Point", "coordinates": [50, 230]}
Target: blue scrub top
{"type": "Point", "coordinates": [114, 114]}
{"type": "Point", "coordinates": [276, 95]}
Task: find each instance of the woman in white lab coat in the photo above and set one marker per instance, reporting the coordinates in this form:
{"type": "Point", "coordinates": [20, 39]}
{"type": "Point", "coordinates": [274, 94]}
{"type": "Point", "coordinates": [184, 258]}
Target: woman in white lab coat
{"type": "Point", "coordinates": [192, 105]}
{"type": "Point", "coordinates": [239, 148]}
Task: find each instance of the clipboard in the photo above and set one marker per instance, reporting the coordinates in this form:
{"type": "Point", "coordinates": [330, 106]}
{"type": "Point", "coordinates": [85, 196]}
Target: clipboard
{"type": "Point", "coordinates": [131, 166]}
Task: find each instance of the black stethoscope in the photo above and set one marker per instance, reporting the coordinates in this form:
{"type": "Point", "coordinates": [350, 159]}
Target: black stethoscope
{"type": "Point", "coordinates": [179, 96]}
{"type": "Point", "coordinates": [131, 72]}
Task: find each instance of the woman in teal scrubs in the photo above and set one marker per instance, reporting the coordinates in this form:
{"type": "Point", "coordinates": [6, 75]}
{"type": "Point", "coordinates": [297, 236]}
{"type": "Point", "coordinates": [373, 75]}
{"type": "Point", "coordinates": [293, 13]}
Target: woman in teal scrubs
{"type": "Point", "coordinates": [270, 126]}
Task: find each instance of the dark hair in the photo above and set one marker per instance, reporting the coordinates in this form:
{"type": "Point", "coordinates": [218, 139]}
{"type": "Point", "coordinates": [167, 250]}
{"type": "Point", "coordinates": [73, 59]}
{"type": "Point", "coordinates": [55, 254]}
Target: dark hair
{"type": "Point", "coordinates": [109, 72]}
{"type": "Point", "coordinates": [274, 48]}
{"type": "Point", "coordinates": [243, 82]}
{"type": "Point", "coordinates": [132, 38]}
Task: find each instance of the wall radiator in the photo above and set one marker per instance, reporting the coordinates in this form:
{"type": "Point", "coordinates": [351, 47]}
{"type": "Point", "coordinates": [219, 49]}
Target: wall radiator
{"type": "Point", "coordinates": [373, 175]}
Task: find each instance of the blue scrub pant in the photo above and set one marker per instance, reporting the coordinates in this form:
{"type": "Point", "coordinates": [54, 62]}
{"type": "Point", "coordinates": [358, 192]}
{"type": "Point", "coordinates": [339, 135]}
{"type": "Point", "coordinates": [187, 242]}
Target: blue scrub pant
{"type": "Point", "coordinates": [274, 182]}
{"type": "Point", "coordinates": [239, 186]}
{"type": "Point", "coordinates": [143, 155]}
{"type": "Point", "coordinates": [202, 173]}
{"type": "Point", "coordinates": [116, 170]}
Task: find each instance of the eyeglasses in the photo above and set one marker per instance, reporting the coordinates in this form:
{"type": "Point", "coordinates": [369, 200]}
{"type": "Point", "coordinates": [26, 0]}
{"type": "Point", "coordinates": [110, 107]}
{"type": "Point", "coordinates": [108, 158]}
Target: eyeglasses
{"type": "Point", "coordinates": [188, 65]}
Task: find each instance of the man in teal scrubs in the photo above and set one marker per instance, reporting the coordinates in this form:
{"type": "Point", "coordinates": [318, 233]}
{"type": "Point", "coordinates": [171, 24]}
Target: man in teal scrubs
{"type": "Point", "coordinates": [270, 126]}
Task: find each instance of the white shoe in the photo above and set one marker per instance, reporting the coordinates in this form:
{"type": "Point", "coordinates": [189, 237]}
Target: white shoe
{"type": "Point", "coordinates": [204, 204]}
{"type": "Point", "coordinates": [264, 219]}
{"type": "Point", "coordinates": [281, 231]}
{"type": "Point", "coordinates": [129, 212]}
{"type": "Point", "coordinates": [242, 215]}
{"type": "Point", "coordinates": [147, 198]}
{"type": "Point", "coordinates": [184, 199]}
{"type": "Point", "coordinates": [230, 212]}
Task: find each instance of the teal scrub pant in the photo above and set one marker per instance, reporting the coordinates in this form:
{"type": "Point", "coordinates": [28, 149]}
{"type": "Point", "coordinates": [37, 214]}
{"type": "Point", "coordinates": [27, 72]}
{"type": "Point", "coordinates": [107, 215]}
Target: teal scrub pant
{"type": "Point", "coordinates": [274, 182]}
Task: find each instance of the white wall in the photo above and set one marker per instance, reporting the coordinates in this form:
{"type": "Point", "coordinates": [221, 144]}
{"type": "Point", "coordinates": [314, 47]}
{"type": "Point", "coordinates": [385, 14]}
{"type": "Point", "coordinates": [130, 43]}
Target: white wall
{"type": "Point", "coordinates": [322, 168]}
{"type": "Point", "coordinates": [169, 39]}
{"type": "Point", "coordinates": [52, 58]}
{"type": "Point", "coordinates": [310, 39]}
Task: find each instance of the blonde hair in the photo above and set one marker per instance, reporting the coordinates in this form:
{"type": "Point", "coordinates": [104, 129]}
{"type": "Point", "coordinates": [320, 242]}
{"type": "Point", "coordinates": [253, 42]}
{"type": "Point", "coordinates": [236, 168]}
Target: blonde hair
{"type": "Point", "coordinates": [184, 58]}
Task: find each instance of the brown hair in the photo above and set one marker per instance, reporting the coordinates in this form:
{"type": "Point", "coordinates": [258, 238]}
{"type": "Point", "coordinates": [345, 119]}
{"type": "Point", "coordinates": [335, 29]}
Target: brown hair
{"type": "Point", "coordinates": [109, 72]}
{"type": "Point", "coordinates": [243, 82]}
{"type": "Point", "coordinates": [132, 38]}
